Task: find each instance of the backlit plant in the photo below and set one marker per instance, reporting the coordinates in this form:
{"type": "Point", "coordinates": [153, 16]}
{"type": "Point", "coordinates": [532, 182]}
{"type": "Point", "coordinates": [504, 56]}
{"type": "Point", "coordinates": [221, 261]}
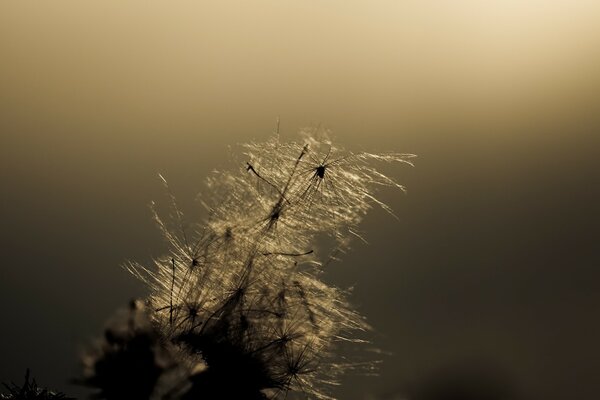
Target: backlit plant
{"type": "Point", "coordinates": [237, 302]}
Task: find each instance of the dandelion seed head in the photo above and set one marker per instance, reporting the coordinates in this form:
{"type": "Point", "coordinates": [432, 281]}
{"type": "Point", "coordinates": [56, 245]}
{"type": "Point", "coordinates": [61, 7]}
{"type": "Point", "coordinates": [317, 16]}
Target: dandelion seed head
{"type": "Point", "coordinates": [242, 291]}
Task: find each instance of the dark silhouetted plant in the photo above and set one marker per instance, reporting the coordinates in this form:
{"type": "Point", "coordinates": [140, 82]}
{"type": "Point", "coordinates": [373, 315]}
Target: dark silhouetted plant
{"type": "Point", "coordinates": [238, 299]}
{"type": "Point", "coordinates": [31, 391]}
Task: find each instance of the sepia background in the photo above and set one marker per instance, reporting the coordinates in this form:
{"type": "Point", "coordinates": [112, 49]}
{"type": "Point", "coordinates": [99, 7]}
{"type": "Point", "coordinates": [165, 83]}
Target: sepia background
{"type": "Point", "coordinates": [487, 285]}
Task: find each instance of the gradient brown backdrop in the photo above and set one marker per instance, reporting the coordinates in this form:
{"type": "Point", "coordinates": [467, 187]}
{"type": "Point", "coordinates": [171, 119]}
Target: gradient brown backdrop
{"type": "Point", "coordinates": [491, 274]}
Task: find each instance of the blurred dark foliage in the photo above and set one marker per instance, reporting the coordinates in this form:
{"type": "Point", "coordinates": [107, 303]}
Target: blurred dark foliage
{"type": "Point", "coordinates": [30, 391]}
{"type": "Point", "coordinates": [132, 362]}
{"type": "Point", "coordinates": [129, 360]}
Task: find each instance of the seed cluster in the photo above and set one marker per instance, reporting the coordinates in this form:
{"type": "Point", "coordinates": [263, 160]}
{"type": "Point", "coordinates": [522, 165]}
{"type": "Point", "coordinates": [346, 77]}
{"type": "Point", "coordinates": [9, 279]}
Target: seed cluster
{"type": "Point", "coordinates": [241, 293]}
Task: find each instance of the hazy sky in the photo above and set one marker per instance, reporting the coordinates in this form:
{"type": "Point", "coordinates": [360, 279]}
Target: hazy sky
{"type": "Point", "coordinates": [494, 260]}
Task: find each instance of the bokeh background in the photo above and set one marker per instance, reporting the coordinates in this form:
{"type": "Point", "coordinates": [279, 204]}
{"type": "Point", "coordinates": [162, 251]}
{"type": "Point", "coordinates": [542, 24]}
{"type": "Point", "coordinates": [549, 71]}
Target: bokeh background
{"type": "Point", "coordinates": [488, 285]}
